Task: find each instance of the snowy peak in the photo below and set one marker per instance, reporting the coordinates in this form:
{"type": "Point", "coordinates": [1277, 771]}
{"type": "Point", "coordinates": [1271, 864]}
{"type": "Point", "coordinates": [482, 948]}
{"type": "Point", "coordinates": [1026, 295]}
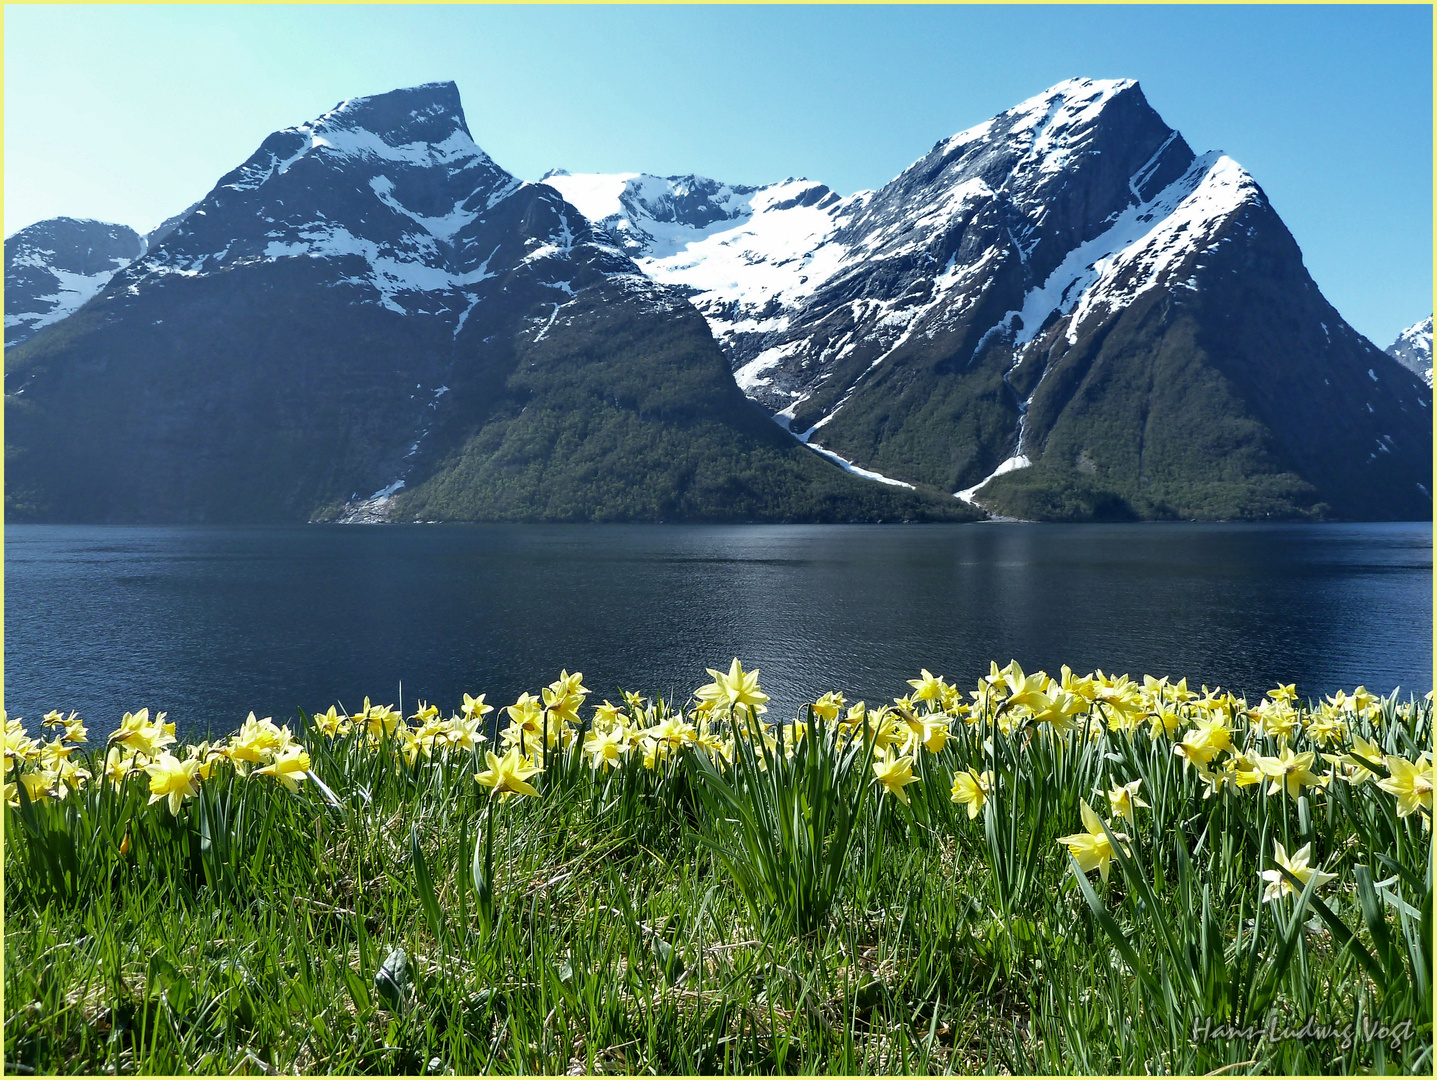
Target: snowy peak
{"type": "Point", "coordinates": [1413, 349]}
{"type": "Point", "coordinates": [419, 127]}
{"type": "Point", "coordinates": [53, 267]}
{"type": "Point", "coordinates": [389, 191]}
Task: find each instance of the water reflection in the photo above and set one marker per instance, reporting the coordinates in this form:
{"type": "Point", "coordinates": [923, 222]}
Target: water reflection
{"type": "Point", "coordinates": [209, 622]}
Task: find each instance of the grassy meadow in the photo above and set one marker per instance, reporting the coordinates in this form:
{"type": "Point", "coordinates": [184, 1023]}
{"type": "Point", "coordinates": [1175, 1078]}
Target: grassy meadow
{"type": "Point", "coordinates": [1036, 874]}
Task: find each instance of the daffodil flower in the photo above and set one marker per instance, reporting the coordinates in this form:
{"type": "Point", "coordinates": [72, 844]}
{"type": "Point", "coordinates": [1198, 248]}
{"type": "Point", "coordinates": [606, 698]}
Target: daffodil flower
{"type": "Point", "coordinates": [508, 775]}
{"type": "Point", "coordinates": [1353, 765]}
{"type": "Point", "coordinates": [895, 774]}
{"type": "Point", "coordinates": [332, 723]}
{"type": "Point", "coordinates": [929, 687]}
{"type": "Point", "coordinates": [474, 707]}
{"type": "Point", "coordinates": [1279, 885]}
{"type": "Point", "coordinates": [1411, 783]}
{"type": "Point", "coordinates": [1091, 849]}
{"type": "Point", "coordinates": [173, 780]}
{"type": "Point", "coordinates": [289, 768]}
{"type": "Point", "coordinates": [1290, 771]}
{"type": "Point", "coordinates": [734, 689]}
{"type": "Point", "coordinates": [605, 747]}
{"type": "Point", "coordinates": [972, 788]}
{"type": "Point", "coordinates": [1122, 799]}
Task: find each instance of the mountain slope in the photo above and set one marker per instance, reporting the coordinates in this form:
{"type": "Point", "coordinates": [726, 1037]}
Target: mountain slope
{"type": "Point", "coordinates": [1061, 312]}
{"type": "Point", "coordinates": [370, 320]}
{"type": "Point", "coordinates": [1413, 349]}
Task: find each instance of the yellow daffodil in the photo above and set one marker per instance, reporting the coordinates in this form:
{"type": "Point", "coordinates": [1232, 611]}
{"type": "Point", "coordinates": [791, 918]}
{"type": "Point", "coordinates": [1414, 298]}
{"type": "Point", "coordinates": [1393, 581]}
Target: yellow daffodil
{"type": "Point", "coordinates": [672, 733]}
{"type": "Point", "coordinates": [1353, 765]}
{"type": "Point", "coordinates": [1122, 799]}
{"type": "Point", "coordinates": [605, 747]}
{"type": "Point", "coordinates": [972, 788]}
{"type": "Point", "coordinates": [1059, 710]}
{"type": "Point", "coordinates": [1092, 849]}
{"type": "Point", "coordinates": [895, 774]}
{"type": "Point", "coordinates": [1411, 783]}
{"type": "Point", "coordinates": [1024, 690]}
{"type": "Point", "coordinates": [605, 716]}
{"type": "Point", "coordinates": [257, 742]}
{"type": "Point", "coordinates": [1164, 720]}
{"type": "Point", "coordinates": [928, 687]}
{"type": "Point", "coordinates": [208, 756]}
{"type": "Point", "coordinates": [930, 732]}
{"type": "Point", "coordinates": [1198, 747]}
{"type": "Point", "coordinates": [332, 724]}
{"type": "Point", "coordinates": [1290, 771]}
{"type": "Point", "coordinates": [1274, 720]}
{"type": "Point", "coordinates": [1326, 725]}
{"type": "Point", "coordinates": [735, 689]}
{"type": "Point", "coordinates": [69, 776]}
{"type": "Point", "coordinates": [379, 720]}
{"type": "Point", "coordinates": [1287, 694]}
{"type": "Point", "coordinates": [289, 768]}
{"type": "Point", "coordinates": [462, 733]}
{"type": "Point", "coordinates": [474, 708]}
{"type": "Point", "coordinates": [173, 780]}
{"type": "Point", "coordinates": [508, 775]}
{"type": "Point", "coordinates": [562, 707]}
{"type": "Point", "coordinates": [137, 733]}
{"type": "Point", "coordinates": [888, 729]}
{"type": "Point", "coordinates": [74, 727]}
{"type": "Point", "coordinates": [827, 707]}
{"type": "Point", "coordinates": [1121, 700]}
{"type": "Point", "coordinates": [119, 763]}
{"type": "Point", "coordinates": [1279, 885]}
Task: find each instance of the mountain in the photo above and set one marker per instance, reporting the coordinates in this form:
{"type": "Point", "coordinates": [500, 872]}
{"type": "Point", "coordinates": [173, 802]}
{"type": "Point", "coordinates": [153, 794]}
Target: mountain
{"type": "Point", "coordinates": [1060, 313]}
{"type": "Point", "coordinates": [370, 320]}
{"type": "Point", "coordinates": [53, 267]}
{"type": "Point", "coordinates": [1413, 349]}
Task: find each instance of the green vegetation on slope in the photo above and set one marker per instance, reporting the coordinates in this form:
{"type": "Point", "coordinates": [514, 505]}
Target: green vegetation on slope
{"type": "Point", "coordinates": [613, 415]}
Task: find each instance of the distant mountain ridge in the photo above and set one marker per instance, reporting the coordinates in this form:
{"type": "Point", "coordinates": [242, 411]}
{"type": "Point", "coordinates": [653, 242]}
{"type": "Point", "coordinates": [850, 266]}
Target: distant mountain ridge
{"type": "Point", "coordinates": [370, 320]}
{"type": "Point", "coordinates": [1061, 312]}
{"type": "Point", "coordinates": [1413, 349]}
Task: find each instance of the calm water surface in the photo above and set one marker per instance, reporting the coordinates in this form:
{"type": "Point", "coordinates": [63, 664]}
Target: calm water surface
{"type": "Point", "coordinates": [209, 623]}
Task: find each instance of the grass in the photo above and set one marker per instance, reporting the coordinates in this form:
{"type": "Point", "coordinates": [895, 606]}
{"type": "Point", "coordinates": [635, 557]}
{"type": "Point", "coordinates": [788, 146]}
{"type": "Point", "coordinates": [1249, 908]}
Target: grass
{"type": "Point", "coordinates": [756, 900]}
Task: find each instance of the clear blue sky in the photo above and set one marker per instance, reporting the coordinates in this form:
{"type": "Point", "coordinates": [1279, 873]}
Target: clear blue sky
{"type": "Point", "coordinates": [129, 114]}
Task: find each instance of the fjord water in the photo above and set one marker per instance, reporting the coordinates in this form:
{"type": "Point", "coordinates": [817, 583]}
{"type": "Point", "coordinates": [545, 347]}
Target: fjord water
{"type": "Point", "coordinates": [209, 623]}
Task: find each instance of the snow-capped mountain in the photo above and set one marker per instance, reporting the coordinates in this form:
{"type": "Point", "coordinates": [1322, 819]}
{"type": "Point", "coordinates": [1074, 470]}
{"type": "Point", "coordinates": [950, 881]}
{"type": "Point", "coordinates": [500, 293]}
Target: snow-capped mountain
{"type": "Point", "coordinates": [1059, 296]}
{"type": "Point", "coordinates": [369, 319]}
{"type": "Point", "coordinates": [1413, 349]}
{"type": "Point", "coordinates": [55, 266]}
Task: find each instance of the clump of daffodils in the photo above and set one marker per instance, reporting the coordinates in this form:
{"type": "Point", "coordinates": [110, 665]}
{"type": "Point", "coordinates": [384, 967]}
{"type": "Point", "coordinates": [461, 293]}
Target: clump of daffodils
{"type": "Point", "coordinates": [1280, 747]}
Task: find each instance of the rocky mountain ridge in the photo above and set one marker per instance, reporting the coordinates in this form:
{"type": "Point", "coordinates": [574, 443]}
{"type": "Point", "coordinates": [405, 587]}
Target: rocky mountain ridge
{"type": "Point", "coordinates": [370, 320]}
{"type": "Point", "coordinates": [957, 326]}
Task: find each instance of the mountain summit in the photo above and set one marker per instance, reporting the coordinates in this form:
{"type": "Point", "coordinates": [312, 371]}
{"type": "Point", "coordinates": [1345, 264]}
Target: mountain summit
{"type": "Point", "coordinates": [1061, 312]}
{"type": "Point", "coordinates": [1413, 349]}
{"type": "Point", "coordinates": [370, 320]}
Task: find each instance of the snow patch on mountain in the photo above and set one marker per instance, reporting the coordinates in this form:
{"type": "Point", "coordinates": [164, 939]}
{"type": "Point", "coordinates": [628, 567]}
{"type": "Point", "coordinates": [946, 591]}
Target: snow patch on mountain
{"type": "Point", "coordinates": [72, 291]}
{"type": "Point", "coordinates": [739, 252]}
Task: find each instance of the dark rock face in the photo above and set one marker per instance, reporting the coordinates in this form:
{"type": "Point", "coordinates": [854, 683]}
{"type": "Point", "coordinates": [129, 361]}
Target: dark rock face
{"type": "Point", "coordinates": [1062, 313]}
{"type": "Point", "coordinates": [53, 267]}
{"type": "Point", "coordinates": [370, 320]}
{"type": "Point", "coordinates": [1413, 349]}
